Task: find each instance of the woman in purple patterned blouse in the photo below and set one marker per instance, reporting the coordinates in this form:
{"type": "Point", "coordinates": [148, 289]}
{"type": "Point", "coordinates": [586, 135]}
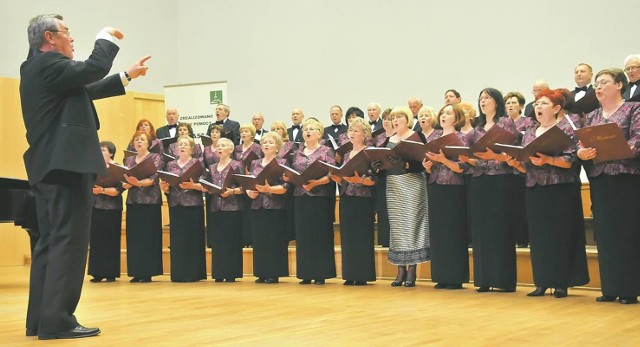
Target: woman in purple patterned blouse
{"type": "Point", "coordinates": [184, 129]}
{"type": "Point", "coordinates": [210, 153]}
{"type": "Point", "coordinates": [286, 152]}
{"type": "Point", "coordinates": [270, 241]}
{"type": "Point", "coordinates": [313, 215]}
{"type": "Point", "coordinates": [356, 213]}
{"type": "Point", "coordinates": [106, 226]}
{"type": "Point", "coordinates": [186, 213]}
{"type": "Point", "coordinates": [144, 219]}
{"type": "Point", "coordinates": [246, 146]}
{"type": "Point", "coordinates": [224, 228]}
{"type": "Point", "coordinates": [494, 255]}
{"type": "Point", "coordinates": [615, 187]}
{"type": "Point", "coordinates": [554, 205]}
{"type": "Point", "coordinates": [447, 197]}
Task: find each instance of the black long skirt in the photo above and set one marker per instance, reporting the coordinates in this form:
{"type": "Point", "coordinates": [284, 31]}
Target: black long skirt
{"type": "Point", "coordinates": [616, 217]}
{"type": "Point", "coordinates": [247, 215]}
{"type": "Point", "coordinates": [494, 253]}
{"type": "Point", "coordinates": [188, 262]}
{"type": "Point", "coordinates": [106, 234]}
{"type": "Point", "coordinates": [519, 227]}
{"type": "Point", "coordinates": [356, 237]}
{"type": "Point", "coordinates": [380, 198]}
{"type": "Point", "coordinates": [144, 240]}
{"type": "Point", "coordinates": [225, 234]}
{"type": "Point", "coordinates": [270, 243]}
{"type": "Point", "coordinates": [556, 226]}
{"type": "Point", "coordinates": [448, 228]}
{"type": "Point", "coordinates": [315, 257]}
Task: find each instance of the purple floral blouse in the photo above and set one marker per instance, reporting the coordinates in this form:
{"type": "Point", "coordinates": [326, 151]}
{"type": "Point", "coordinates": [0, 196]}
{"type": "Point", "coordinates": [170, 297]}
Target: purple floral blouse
{"type": "Point", "coordinates": [107, 202]}
{"type": "Point", "coordinates": [302, 161]}
{"type": "Point", "coordinates": [349, 189]}
{"type": "Point", "coordinates": [267, 201]}
{"type": "Point", "coordinates": [146, 195]}
{"type": "Point", "coordinates": [286, 153]}
{"type": "Point", "coordinates": [441, 174]}
{"type": "Point", "coordinates": [493, 167]}
{"type": "Point", "coordinates": [546, 175]}
{"type": "Point", "coordinates": [182, 197]}
{"type": "Point", "coordinates": [173, 151]}
{"type": "Point", "coordinates": [210, 156]}
{"type": "Point", "coordinates": [218, 203]}
{"type": "Point", "coordinates": [628, 119]}
{"type": "Point", "coordinates": [239, 155]}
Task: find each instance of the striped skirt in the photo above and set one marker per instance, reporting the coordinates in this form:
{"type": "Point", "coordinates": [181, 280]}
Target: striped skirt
{"type": "Point", "coordinates": [407, 203]}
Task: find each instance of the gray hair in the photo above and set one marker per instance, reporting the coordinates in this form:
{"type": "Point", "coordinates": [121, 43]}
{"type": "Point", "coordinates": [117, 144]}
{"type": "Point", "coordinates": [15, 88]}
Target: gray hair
{"type": "Point", "coordinates": [37, 27]}
{"type": "Point", "coordinates": [630, 58]}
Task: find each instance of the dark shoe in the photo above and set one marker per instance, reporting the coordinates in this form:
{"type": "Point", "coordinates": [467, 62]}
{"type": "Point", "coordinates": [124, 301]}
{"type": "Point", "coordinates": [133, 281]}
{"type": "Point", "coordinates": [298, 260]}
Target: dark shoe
{"type": "Point", "coordinates": [440, 286]}
{"type": "Point", "coordinates": [261, 280]}
{"type": "Point", "coordinates": [319, 282]}
{"type": "Point", "coordinates": [96, 279]}
{"type": "Point", "coordinates": [111, 279]}
{"type": "Point", "coordinates": [348, 283]}
{"type": "Point", "coordinates": [628, 300]}
{"type": "Point", "coordinates": [32, 332]}
{"type": "Point", "coordinates": [145, 279]}
{"type": "Point", "coordinates": [135, 279]}
{"type": "Point", "coordinates": [305, 282]}
{"type": "Point", "coordinates": [271, 280]}
{"type": "Point", "coordinates": [74, 333]}
{"type": "Point", "coordinates": [230, 279]}
{"type": "Point", "coordinates": [397, 283]}
{"type": "Point", "coordinates": [606, 298]}
{"type": "Point", "coordinates": [409, 283]}
{"type": "Point", "coordinates": [483, 289]}
{"type": "Point", "coordinates": [218, 280]}
{"type": "Point", "coordinates": [359, 283]}
{"type": "Point", "coordinates": [538, 292]}
{"type": "Point", "coordinates": [560, 293]}
{"type": "Point", "coordinates": [454, 286]}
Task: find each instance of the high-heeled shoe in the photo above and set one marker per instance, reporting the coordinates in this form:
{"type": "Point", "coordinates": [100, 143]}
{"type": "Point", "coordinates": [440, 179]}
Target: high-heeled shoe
{"type": "Point", "coordinates": [411, 276]}
{"type": "Point", "coordinates": [538, 292]}
{"type": "Point", "coordinates": [560, 293]}
{"type": "Point", "coordinates": [483, 289]}
{"type": "Point", "coordinates": [409, 284]}
{"type": "Point", "coordinates": [402, 275]}
{"type": "Point", "coordinates": [397, 283]}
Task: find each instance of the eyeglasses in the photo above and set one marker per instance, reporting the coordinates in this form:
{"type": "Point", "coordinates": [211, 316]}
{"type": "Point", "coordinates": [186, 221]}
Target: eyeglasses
{"type": "Point", "coordinates": [631, 68]}
{"type": "Point", "coordinates": [541, 103]}
{"type": "Point", "coordinates": [66, 33]}
{"type": "Point", "coordinates": [486, 97]}
{"type": "Point", "coordinates": [601, 83]}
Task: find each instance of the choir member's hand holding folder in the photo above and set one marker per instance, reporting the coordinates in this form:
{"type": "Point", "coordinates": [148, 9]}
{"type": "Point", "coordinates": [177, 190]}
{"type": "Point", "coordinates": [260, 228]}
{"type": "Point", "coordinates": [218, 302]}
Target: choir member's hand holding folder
{"type": "Point", "coordinates": [552, 142]}
{"type": "Point", "coordinates": [608, 141]}
{"type": "Point", "coordinates": [314, 171]}
{"type": "Point", "coordinates": [270, 174]}
{"type": "Point", "coordinates": [495, 135]}
{"type": "Point", "coordinates": [142, 170]}
{"type": "Point", "coordinates": [193, 173]}
{"type": "Point", "coordinates": [359, 164]}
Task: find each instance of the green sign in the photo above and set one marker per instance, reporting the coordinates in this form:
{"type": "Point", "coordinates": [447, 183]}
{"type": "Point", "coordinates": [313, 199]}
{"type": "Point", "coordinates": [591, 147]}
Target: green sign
{"type": "Point", "coordinates": [215, 97]}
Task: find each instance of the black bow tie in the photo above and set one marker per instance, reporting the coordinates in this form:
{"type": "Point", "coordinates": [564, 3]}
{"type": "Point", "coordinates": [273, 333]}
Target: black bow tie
{"type": "Point", "coordinates": [584, 89]}
{"type": "Point", "coordinates": [295, 127]}
{"type": "Point", "coordinates": [636, 83]}
{"type": "Point", "coordinates": [373, 122]}
{"type": "Point", "coordinates": [172, 126]}
{"type": "Point", "coordinates": [219, 122]}
{"type": "Point", "coordinates": [335, 126]}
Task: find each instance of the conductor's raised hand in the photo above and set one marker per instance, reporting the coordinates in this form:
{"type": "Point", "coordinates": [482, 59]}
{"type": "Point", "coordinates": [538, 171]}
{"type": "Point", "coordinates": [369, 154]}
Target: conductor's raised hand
{"type": "Point", "coordinates": [138, 68]}
{"type": "Point", "coordinates": [114, 32]}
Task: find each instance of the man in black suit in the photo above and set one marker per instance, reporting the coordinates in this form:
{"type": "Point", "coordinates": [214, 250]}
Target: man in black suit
{"type": "Point", "coordinates": [295, 131]}
{"type": "Point", "coordinates": [373, 112]}
{"type": "Point", "coordinates": [230, 128]}
{"type": "Point", "coordinates": [538, 86]}
{"type": "Point", "coordinates": [171, 129]}
{"type": "Point", "coordinates": [415, 104]}
{"type": "Point", "coordinates": [336, 128]}
{"type": "Point", "coordinates": [582, 74]}
{"type": "Point", "coordinates": [62, 161]}
{"type": "Point", "coordinates": [632, 69]}
{"type": "Point", "coordinates": [258, 122]}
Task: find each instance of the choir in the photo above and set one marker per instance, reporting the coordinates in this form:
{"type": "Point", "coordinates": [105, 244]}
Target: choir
{"type": "Point", "coordinates": [429, 210]}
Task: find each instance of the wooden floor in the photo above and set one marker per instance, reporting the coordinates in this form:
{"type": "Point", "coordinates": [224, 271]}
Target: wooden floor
{"type": "Point", "coordinates": [288, 314]}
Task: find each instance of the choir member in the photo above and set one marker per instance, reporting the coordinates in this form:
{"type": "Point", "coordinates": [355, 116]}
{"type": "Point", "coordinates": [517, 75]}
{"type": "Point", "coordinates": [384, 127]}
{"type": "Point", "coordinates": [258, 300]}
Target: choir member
{"type": "Point", "coordinates": [407, 204]}
{"type": "Point", "coordinates": [356, 213]}
{"type": "Point", "coordinates": [185, 129]}
{"type": "Point", "coordinates": [380, 188]}
{"type": "Point", "coordinates": [494, 255]}
{"type": "Point", "coordinates": [106, 226]}
{"type": "Point", "coordinates": [270, 239]}
{"type": "Point", "coordinates": [447, 206]}
{"type": "Point", "coordinates": [313, 214]}
{"type": "Point", "coordinates": [426, 120]}
{"type": "Point", "coordinates": [210, 153]}
{"type": "Point", "coordinates": [554, 206]}
{"type": "Point", "coordinates": [615, 187]}
{"type": "Point", "coordinates": [286, 152]}
{"type": "Point", "coordinates": [144, 220]}
{"type": "Point", "coordinates": [225, 229]}
{"type": "Point", "coordinates": [186, 213]}
{"type": "Point", "coordinates": [470, 118]}
{"type": "Point", "coordinates": [246, 146]}
{"type": "Point", "coordinates": [146, 126]}
{"type": "Point", "coordinates": [452, 97]}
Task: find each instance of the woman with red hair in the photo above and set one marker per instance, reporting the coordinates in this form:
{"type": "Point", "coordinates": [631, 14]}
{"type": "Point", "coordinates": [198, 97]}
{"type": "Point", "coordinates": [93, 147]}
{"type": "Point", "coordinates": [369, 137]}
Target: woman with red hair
{"type": "Point", "coordinates": [155, 146]}
{"type": "Point", "coordinates": [554, 205]}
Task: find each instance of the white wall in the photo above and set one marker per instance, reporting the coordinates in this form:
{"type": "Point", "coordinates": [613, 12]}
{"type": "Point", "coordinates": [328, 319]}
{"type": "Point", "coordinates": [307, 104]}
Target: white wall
{"type": "Point", "coordinates": [281, 54]}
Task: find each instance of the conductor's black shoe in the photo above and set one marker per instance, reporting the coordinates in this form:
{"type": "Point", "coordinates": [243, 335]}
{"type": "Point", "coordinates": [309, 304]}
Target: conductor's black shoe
{"type": "Point", "coordinates": [74, 333]}
{"type": "Point", "coordinates": [32, 332]}
{"type": "Point", "coordinates": [628, 300]}
{"type": "Point", "coordinates": [606, 298]}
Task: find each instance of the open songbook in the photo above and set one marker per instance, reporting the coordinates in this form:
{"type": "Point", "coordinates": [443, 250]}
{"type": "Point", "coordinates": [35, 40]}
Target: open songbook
{"type": "Point", "coordinates": [387, 158]}
{"type": "Point", "coordinates": [552, 142]}
{"type": "Point", "coordinates": [113, 177]}
{"type": "Point", "coordinates": [167, 141]}
{"type": "Point", "coordinates": [313, 172]}
{"type": "Point", "coordinates": [607, 139]}
{"type": "Point", "coordinates": [215, 189]}
{"type": "Point", "coordinates": [415, 150]}
{"type": "Point", "coordinates": [360, 163]}
{"type": "Point", "coordinates": [140, 171]}
{"type": "Point", "coordinates": [271, 173]}
{"type": "Point", "coordinates": [251, 156]}
{"type": "Point", "coordinates": [495, 135]}
{"type": "Point", "coordinates": [192, 173]}
{"type": "Point", "coordinates": [341, 150]}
